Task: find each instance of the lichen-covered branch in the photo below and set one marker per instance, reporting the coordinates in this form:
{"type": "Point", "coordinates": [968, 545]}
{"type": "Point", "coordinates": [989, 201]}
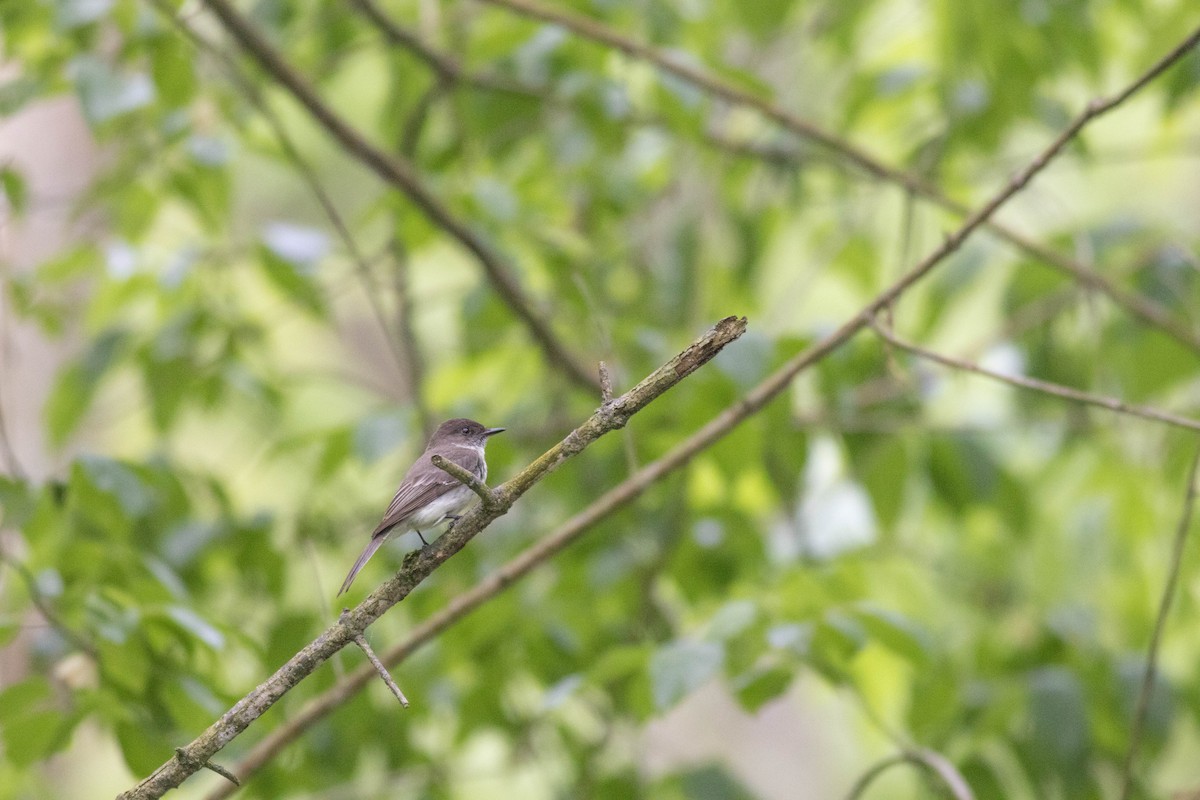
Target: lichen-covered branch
{"type": "Point", "coordinates": [420, 564]}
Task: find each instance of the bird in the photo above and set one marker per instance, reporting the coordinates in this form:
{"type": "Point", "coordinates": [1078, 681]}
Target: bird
{"type": "Point", "coordinates": [428, 495]}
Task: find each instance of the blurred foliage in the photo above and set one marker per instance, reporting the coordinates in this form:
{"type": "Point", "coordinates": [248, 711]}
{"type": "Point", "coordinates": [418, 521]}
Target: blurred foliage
{"type": "Point", "coordinates": [971, 569]}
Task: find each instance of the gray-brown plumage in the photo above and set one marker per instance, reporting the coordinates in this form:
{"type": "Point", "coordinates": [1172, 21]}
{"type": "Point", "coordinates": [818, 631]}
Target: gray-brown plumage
{"type": "Point", "coordinates": [429, 495]}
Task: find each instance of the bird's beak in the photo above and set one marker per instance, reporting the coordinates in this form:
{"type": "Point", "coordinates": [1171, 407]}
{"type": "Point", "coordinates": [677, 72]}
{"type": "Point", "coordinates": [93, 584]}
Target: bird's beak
{"type": "Point", "coordinates": [494, 431]}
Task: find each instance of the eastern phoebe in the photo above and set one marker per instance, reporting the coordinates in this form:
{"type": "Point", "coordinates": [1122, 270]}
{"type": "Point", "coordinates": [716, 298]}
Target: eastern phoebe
{"type": "Point", "coordinates": [428, 495]}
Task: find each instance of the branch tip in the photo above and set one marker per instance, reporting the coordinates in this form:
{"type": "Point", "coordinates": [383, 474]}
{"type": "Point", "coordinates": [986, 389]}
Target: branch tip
{"type": "Point", "coordinates": [365, 646]}
{"type": "Point", "coordinates": [606, 384]}
{"type": "Point", "coordinates": [463, 476]}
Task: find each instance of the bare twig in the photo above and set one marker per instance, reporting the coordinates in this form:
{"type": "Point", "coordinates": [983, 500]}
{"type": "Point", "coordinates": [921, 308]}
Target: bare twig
{"type": "Point", "coordinates": [636, 484]}
{"type": "Point", "coordinates": [465, 478]}
{"type": "Point", "coordinates": [407, 335]}
{"type": "Point", "coordinates": [1045, 387]}
{"type": "Point", "coordinates": [365, 646]}
{"type": "Point", "coordinates": [1160, 623]}
{"type": "Point", "coordinates": [931, 761]}
{"type": "Point", "coordinates": [606, 384]}
{"type": "Point", "coordinates": [696, 75]}
{"type": "Point", "coordinates": [184, 758]}
{"type": "Point", "coordinates": [48, 613]}
{"type": "Point", "coordinates": [400, 173]}
{"type": "Point", "coordinates": [418, 565]}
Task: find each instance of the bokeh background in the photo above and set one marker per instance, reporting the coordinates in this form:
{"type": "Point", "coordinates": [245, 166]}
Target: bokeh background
{"type": "Point", "coordinates": [223, 338]}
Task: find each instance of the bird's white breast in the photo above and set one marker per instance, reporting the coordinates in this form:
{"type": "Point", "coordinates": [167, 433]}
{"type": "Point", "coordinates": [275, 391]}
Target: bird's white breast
{"type": "Point", "coordinates": [451, 503]}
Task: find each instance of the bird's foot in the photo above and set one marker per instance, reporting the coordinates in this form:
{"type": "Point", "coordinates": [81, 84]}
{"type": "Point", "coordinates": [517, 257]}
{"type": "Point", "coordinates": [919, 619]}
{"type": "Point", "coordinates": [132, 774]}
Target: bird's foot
{"type": "Point", "coordinates": [421, 536]}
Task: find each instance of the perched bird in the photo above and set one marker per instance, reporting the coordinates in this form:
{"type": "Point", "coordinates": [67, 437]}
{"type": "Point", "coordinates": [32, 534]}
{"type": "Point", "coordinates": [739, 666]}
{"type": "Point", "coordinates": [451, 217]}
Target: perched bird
{"type": "Point", "coordinates": [428, 495]}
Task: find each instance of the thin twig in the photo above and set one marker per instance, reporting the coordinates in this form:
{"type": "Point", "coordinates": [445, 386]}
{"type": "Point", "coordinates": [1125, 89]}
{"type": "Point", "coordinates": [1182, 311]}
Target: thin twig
{"type": "Point", "coordinates": [48, 613]}
{"type": "Point", "coordinates": [632, 487]}
{"type": "Point", "coordinates": [400, 173]}
{"type": "Point", "coordinates": [418, 565]}
{"type": "Point", "coordinates": [465, 478]}
{"type": "Point", "coordinates": [1160, 623]}
{"type": "Point", "coordinates": [365, 646]}
{"type": "Point", "coordinates": [690, 72]}
{"type": "Point", "coordinates": [606, 384]}
{"type": "Point", "coordinates": [448, 69]}
{"type": "Point", "coordinates": [931, 761]}
{"type": "Point", "coordinates": [407, 335]}
{"type": "Point", "coordinates": [184, 758]}
{"type": "Point", "coordinates": [1045, 387]}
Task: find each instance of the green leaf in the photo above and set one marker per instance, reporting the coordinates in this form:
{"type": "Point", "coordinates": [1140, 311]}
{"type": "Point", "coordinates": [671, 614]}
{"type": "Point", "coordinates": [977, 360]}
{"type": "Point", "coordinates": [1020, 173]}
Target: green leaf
{"type": "Point", "coordinates": [758, 687]}
{"type": "Point", "coordinates": [895, 632]}
{"type": "Point", "coordinates": [681, 667]}
{"type": "Point", "coordinates": [75, 387]}
{"type": "Point", "coordinates": [14, 94]}
{"type": "Point", "coordinates": [171, 65]}
{"type": "Point", "coordinates": [708, 782]}
{"type": "Point", "coordinates": [206, 190]}
{"type": "Point", "coordinates": [118, 481]}
{"type": "Point", "coordinates": [196, 626]}
{"type": "Point", "coordinates": [732, 619]}
{"type": "Point", "coordinates": [1060, 736]}
{"type": "Point", "coordinates": [15, 191]}
{"type": "Point", "coordinates": [295, 281]}
{"type": "Point", "coordinates": [144, 749]}
{"type": "Point", "coordinates": [25, 696]}
{"type": "Point", "coordinates": [29, 738]}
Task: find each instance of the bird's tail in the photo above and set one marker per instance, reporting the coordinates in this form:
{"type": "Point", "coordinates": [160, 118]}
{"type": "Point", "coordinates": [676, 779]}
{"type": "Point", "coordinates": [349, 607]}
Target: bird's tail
{"type": "Point", "coordinates": [367, 552]}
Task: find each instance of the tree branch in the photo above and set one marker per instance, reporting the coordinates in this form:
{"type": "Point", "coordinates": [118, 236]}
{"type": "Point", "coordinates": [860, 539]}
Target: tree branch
{"type": "Point", "coordinates": [695, 75]}
{"type": "Point", "coordinates": [401, 174]}
{"type": "Point", "coordinates": [632, 487]}
{"type": "Point", "coordinates": [420, 564]}
{"type": "Point", "coordinates": [1160, 622]}
{"type": "Point", "coordinates": [1045, 387]}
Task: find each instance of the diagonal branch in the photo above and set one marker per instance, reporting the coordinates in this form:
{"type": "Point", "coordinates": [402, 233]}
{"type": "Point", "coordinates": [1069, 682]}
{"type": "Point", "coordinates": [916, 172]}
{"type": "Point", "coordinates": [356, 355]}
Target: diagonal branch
{"type": "Point", "coordinates": [1160, 622]}
{"type": "Point", "coordinates": [696, 75]}
{"type": "Point", "coordinates": [680, 455]}
{"type": "Point", "coordinates": [1045, 387]}
{"type": "Point", "coordinates": [400, 173]}
{"type": "Point", "coordinates": [420, 564]}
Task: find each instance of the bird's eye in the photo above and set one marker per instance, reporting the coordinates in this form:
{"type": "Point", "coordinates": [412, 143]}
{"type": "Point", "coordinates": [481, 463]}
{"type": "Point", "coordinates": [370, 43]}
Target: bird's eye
{"type": "Point", "coordinates": [466, 430]}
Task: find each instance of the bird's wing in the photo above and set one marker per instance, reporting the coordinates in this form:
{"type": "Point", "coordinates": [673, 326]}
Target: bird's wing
{"type": "Point", "coordinates": [425, 483]}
